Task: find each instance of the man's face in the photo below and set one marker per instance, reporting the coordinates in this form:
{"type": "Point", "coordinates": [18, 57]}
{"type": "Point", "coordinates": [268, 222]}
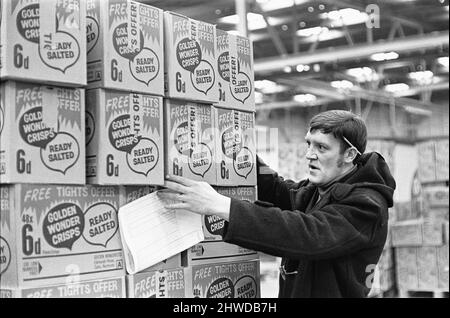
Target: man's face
{"type": "Point", "coordinates": [325, 160]}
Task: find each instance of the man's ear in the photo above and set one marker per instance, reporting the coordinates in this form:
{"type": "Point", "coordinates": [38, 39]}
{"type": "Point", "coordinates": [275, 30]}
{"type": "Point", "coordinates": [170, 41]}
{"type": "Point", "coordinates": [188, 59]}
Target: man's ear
{"type": "Point", "coordinates": [350, 155]}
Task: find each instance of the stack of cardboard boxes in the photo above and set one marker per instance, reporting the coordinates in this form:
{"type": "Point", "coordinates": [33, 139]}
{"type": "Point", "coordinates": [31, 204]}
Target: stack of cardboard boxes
{"type": "Point", "coordinates": [58, 236]}
{"type": "Point", "coordinates": [97, 104]}
{"type": "Point", "coordinates": [420, 237]}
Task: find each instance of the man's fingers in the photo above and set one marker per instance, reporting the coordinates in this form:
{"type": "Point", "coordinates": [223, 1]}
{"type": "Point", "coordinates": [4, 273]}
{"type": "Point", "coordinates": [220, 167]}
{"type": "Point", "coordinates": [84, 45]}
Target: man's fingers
{"type": "Point", "coordinates": [181, 180]}
{"type": "Point", "coordinates": [175, 187]}
{"type": "Point", "coordinates": [170, 196]}
{"type": "Point", "coordinates": [178, 206]}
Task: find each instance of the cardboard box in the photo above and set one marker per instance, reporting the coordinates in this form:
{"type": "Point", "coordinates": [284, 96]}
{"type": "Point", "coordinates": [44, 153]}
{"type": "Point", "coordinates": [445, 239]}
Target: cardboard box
{"type": "Point", "coordinates": [127, 144]}
{"type": "Point", "coordinates": [42, 134]}
{"type": "Point", "coordinates": [213, 226]}
{"type": "Point", "coordinates": [403, 211]}
{"type": "Point", "coordinates": [189, 140]}
{"type": "Point", "coordinates": [52, 234]}
{"type": "Point", "coordinates": [104, 288]}
{"type": "Point", "coordinates": [443, 266]}
{"type": "Point", "coordinates": [44, 41]}
{"type": "Point", "coordinates": [422, 268]}
{"type": "Point", "coordinates": [406, 268]}
{"type": "Point", "coordinates": [215, 251]}
{"type": "Point", "coordinates": [157, 284]}
{"type": "Point", "coordinates": [235, 147]}
{"type": "Point", "coordinates": [436, 196]}
{"type": "Point", "coordinates": [427, 268]}
{"type": "Point", "coordinates": [131, 193]}
{"type": "Point", "coordinates": [125, 46]}
{"type": "Point", "coordinates": [225, 280]}
{"type": "Point", "coordinates": [442, 149]}
{"type": "Point", "coordinates": [427, 161]}
{"type": "Point", "coordinates": [236, 77]}
{"type": "Point", "coordinates": [190, 59]}
{"type": "Point", "coordinates": [418, 233]}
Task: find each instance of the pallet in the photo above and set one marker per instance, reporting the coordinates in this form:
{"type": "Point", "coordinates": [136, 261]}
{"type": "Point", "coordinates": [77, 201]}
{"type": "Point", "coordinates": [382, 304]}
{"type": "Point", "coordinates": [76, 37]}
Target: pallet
{"type": "Point", "coordinates": [423, 294]}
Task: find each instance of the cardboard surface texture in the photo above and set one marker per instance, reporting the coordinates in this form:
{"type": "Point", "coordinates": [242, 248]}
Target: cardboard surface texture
{"type": "Point", "coordinates": [53, 234]}
{"type": "Point", "coordinates": [190, 59]}
{"type": "Point", "coordinates": [125, 46]}
{"type": "Point", "coordinates": [234, 55]}
{"type": "Point", "coordinates": [42, 133]}
{"type": "Point", "coordinates": [235, 147]}
{"type": "Point", "coordinates": [418, 233]}
{"type": "Point", "coordinates": [225, 280]}
{"type": "Point", "coordinates": [126, 146]}
{"type": "Point", "coordinates": [106, 288]}
{"type": "Point", "coordinates": [158, 284]}
{"type": "Point", "coordinates": [215, 251]}
{"type": "Point", "coordinates": [44, 41]}
{"type": "Point", "coordinates": [189, 140]}
{"type": "Point", "coordinates": [427, 161]}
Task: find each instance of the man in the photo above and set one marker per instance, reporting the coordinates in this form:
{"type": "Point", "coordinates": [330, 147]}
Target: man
{"type": "Point", "coordinates": [329, 230]}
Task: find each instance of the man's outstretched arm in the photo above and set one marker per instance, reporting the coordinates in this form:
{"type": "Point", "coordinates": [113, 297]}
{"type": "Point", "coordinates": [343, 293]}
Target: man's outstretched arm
{"type": "Point", "coordinates": [273, 188]}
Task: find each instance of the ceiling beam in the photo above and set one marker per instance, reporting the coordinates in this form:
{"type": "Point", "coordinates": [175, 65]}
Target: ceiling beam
{"type": "Point", "coordinates": [279, 45]}
{"type": "Point", "coordinates": [325, 89]}
{"type": "Point", "coordinates": [407, 44]}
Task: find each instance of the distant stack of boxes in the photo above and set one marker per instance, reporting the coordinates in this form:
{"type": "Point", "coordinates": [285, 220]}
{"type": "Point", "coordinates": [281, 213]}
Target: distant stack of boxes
{"type": "Point", "coordinates": [179, 102]}
{"type": "Point", "coordinates": [420, 238]}
{"type": "Point", "coordinates": [58, 237]}
{"type": "Point", "coordinates": [384, 271]}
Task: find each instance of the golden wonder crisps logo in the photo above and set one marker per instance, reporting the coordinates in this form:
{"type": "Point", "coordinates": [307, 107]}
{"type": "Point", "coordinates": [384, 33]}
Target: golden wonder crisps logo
{"type": "Point", "coordinates": [63, 225]}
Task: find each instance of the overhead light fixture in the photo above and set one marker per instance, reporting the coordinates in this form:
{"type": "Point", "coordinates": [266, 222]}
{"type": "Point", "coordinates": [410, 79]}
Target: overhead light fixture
{"type": "Point", "coordinates": [422, 77]}
{"type": "Point", "coordinates": [305, 98]}
{"type": "Point", "coordinates": [379, 57]}
{"type": "Point", "coordinates": [269, 87]}
{"type": "Point", "coordinates": [303, 68]}
{"type": "Point", "coordinates": [363, 74]}
{"type": "Point", "coordinates": [312, 31]}
{"type": "Point", "coordinates": [255, 21]}
{"type": "Point", "coordinates": [396, 88]}
{"type": "Point", "coordinates": [347, 16]}
{"type": "Point", "coordinates": [287, 69]}
{"type": "Point", "coordinates": [319, 34]}
{"type": "Point", "coordinates": [270, 5]}
{"type": "Point", "coordinates": [443, 61]}
{"type": "Point", "coordinates": [344, 84]}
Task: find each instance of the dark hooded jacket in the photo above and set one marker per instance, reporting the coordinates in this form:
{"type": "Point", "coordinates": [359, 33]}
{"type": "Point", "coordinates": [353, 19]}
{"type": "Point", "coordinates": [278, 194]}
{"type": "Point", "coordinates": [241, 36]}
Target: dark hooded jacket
{"type": "Point", "coordinates": [329, 247]}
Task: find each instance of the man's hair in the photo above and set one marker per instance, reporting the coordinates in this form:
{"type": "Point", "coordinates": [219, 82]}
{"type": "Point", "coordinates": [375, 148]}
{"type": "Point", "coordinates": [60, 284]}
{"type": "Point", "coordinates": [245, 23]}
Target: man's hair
{"type": "Point", "coordinates": [342, 124]}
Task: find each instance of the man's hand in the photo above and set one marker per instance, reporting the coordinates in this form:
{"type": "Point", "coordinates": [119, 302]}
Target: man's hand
{"type": "Point", "coordinates": [194, 196]}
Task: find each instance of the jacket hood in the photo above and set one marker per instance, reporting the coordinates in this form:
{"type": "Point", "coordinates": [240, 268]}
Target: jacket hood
{"type": "Point", "coordinates": [373, 172]}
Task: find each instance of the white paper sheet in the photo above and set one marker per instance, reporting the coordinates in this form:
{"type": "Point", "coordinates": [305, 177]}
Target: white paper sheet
{"type": "Point", "coordinates": [151, 233]}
